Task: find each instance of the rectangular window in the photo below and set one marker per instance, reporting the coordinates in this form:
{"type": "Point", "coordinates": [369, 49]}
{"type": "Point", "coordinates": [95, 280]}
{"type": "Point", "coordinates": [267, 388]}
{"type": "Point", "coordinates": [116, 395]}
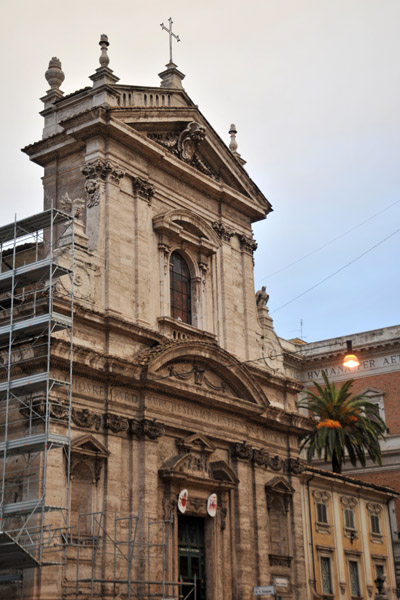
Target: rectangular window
{"type": "Point", "coordinates": [375, 524]}
{"type": "Point", "coordinates": [349, 521]}
{"type": "Point", "coordinates": [326, 581]}
{"type": "Point", "coordinates": [322, 513]}
{"type": "Point", "coordinates": [354, 580]}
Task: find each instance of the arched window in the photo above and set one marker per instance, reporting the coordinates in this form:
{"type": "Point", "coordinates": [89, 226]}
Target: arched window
{"type": "Point", "coordinates": [181, 302]}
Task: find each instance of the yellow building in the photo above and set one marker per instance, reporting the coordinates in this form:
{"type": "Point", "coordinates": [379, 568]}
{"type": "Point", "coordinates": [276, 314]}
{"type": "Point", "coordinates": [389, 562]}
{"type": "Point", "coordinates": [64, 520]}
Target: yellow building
{"type": "Point", "coordinates": [347, 536]}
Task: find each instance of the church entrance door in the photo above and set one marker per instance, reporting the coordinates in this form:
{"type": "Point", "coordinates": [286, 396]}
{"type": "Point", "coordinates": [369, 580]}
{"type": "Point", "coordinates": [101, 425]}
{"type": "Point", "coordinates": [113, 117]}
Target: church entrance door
{"type": "Point", "coordinates": [191, 553]}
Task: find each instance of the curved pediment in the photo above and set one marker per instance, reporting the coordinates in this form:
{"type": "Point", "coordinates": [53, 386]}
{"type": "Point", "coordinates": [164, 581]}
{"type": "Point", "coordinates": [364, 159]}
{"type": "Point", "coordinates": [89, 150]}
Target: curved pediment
{"type": "Point", "coordinates": [185, 225]}
{"type": "Point", "coordinates": [204, 368]}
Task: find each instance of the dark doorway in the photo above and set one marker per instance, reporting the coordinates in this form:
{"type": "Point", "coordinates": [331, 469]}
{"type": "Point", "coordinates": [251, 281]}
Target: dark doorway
{"type": "Point", "coordinates": [191, 556]}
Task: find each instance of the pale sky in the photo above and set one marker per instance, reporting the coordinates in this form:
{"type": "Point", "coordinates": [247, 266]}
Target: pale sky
{"type": "Point", "coordinates": [313, 87]}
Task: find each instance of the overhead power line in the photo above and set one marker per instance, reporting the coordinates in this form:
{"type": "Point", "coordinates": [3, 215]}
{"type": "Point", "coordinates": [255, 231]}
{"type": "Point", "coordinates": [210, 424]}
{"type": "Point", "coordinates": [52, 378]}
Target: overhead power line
{"type": "Point", "coordinates": [339, 237]}
{"type": "Point", "coordinates": [336, 272]}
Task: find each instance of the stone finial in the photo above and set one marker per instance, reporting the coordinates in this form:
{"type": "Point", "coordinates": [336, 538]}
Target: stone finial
{"type": "Point", "coordinates": [54, 74]}
{"type": "Point", "coordinates": [233, 146]}
{"type": "Point", "coordinates": [104, 59]}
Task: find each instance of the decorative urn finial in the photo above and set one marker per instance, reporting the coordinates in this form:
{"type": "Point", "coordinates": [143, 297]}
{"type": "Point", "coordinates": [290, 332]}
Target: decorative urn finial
{"type": "Point", "coordinates": [104, 43]}
{"type": "Point", "coordinates": [233, 146]}
{"type": "Point", "coordinates": [54, 74]}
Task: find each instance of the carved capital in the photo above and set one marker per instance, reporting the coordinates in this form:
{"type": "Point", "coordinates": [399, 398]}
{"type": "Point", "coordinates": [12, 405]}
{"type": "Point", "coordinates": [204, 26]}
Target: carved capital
{"type": "Point", "coordinates": [248, 244]}
{"type": "Point", "coordinates": [260, 457]}
{"type": "Point", "coordinates": [242, 450]}
{"type": "Point", "coordinates": [115, 423]}
{"type": "Point", "coordinates": [142, 189]}
{"type": "Point", "coordinates": [147, 428]}
{"type": "Point", "coordinates": [294, 465]}
{"type": "Point", "coordinates": [223, 231]}
{"type": "Point", "coordinates": [95, 172]}
{"type": "Point", "coordinates": [86, 418]}
{"type": "Point", "coordinates": [102, 169]}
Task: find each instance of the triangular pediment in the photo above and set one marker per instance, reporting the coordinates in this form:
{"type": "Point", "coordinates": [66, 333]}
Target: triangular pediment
{"type": "Point", "coordinates": [89, 446]}
{"type": "Point", "coordinates": [190, 138]}
{"type": "Point", "coordinates": [279, 485]}
{"type": "Point", "coordinates": [196, 443]}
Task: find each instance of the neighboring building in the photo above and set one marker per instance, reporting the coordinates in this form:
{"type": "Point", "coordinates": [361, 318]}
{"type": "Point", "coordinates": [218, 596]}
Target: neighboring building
{"type": "Point", "coordinates": [378, 377]}
{"type": "Point", "coordinates": [182, 398]}
{"type": "Point", "coordinates": [347, 535]}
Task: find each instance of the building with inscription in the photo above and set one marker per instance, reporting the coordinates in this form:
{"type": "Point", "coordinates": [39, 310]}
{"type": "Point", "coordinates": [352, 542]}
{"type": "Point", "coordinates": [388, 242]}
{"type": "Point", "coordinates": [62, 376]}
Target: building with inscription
{"type": "Point", "coordinates": [348, 536]}
{"type": "Point", "coordinates": [378, 377]}
{"type": "Point", "coordinates": [176, 464]}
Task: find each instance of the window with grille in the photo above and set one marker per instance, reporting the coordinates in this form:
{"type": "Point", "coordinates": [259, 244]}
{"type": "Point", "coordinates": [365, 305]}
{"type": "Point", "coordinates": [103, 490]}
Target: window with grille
{"type": "Point", "coordinates": [180, 289]}
{"type": "Point", "coordinates": [322, 513]}
{"type": "Point", "coordinates": [375, 524]}
{"type": "Point", "coordinates": [326, 577]}
{"type": "Point", "coordinates": [354, 579]}
{"type": "Point", "coordinates": [349, 521]}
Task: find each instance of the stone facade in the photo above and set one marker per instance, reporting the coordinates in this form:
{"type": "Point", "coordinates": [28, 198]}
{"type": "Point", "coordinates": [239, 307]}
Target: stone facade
{"type": "Point", "coordinates": [164, 405]}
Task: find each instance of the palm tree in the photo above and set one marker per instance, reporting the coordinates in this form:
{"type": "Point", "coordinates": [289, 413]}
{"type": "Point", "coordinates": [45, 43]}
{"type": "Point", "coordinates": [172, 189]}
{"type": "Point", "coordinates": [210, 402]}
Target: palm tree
{"type": "Point", "coordinates": [342, 422]}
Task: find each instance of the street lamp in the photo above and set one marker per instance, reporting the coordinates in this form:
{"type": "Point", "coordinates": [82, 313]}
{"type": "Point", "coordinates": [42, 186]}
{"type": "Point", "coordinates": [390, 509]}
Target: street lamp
{"type": "Point", "coordinates": [350, 360]}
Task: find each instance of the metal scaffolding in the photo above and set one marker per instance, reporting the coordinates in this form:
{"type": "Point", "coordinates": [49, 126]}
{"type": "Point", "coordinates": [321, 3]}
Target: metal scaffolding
{"type": "Point", "coordinates": [128, 559]}
{"type": "Point", "coordinates": [36, 310]}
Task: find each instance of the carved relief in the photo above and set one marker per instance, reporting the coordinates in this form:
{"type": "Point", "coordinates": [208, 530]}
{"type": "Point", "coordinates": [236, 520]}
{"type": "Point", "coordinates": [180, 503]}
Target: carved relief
{"type": "Point", "coordinates": [348, 502]}
{"type": "Point", "coordinates": [260, 457]}
{"type": "Point", "coordinates": [152, 429]}
{"type": "Point", "coordinates": [223, 231]}
{"type": "Point", "coordinates": [115, 422]}
{"type": "Point", "coordinates": [295, 465]}
{"type": "Point", "coordinates": [72, 207]}
{"type": "Point", "coordinates": [200, 376]}
{"type": "Point", "coordinates": [374, 509]}
{"type": "Point", "coordinates": [242, 450]}
{"type": "Point", "coordinates": [185, 146]}
{"type": "Point", "coordinates": [321, 496]}
{"type": "Point", "coordinates": [142, 189]}
{"type": "Point", "coordinates": [86, 418]}
{"type": "Point", "coordinates": [92, 189]}
{"type": "Point", "coordinates": [190, 139]}
{"type": "Point", "coordinates": [95, 172]}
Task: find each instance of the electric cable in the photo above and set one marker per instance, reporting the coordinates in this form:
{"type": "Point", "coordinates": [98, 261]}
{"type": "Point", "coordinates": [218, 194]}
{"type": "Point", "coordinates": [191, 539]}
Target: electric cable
{"type": "Point", "coordinates": [295, 262]}
{"type": "Point", "coordinates": [336, 272]}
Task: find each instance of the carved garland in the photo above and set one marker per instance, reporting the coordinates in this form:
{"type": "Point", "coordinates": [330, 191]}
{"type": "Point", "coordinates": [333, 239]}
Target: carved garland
{"type": "Point", "coordinates": [262, 458]}
{"type": "Point", "coordinates": [86, 419]}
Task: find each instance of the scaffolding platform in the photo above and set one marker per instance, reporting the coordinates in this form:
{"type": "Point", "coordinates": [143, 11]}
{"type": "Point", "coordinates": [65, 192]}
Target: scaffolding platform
{"type": "Point", "coordinates": [13, 554]}
{"type": "Point", "coordinates": [35, 253]}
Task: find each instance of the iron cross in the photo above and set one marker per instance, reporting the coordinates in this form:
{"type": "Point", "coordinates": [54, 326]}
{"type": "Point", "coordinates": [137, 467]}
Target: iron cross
{"type": "Point", "coordinates": [171, 34]}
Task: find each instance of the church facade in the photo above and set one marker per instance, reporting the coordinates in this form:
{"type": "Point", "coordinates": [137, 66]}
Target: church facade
{"type": "Point", "coordinates": [184, 474]}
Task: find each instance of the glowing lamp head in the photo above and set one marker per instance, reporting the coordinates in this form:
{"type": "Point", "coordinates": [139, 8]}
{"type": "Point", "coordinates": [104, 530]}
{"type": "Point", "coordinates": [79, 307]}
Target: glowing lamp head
{"type": "Point", "coordinates": [350, 360]}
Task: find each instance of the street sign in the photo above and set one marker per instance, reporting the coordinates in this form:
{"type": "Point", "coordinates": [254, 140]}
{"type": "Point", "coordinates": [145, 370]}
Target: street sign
{"type": "Point", "coordinates": [264, 590]}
